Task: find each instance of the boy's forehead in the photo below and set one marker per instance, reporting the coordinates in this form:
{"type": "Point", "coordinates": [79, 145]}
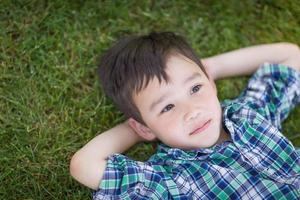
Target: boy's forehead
{"type": "Point", "coordinates": [173, 59]}
{"type": "Point", "coordinates": [190, 70]}
{"type": "Point", "coordinates": [179, 69]}
{"type": "Point", "coordinates": [178, 56]}
{"type": "Point", "coordinates": [177, 59]}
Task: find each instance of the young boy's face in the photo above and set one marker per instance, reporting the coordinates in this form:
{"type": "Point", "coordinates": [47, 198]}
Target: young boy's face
{"type": "Point", "coordinates": [184, 113]}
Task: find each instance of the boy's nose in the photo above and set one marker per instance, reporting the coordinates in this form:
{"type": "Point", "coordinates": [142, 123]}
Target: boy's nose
{"type": "Point", "coordinates": [192, 114]}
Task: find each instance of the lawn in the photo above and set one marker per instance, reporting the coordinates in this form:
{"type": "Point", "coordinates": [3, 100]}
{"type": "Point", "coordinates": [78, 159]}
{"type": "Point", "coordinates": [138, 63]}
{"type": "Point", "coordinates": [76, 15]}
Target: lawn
{"type": "Point", "coordinates": [50, 100]}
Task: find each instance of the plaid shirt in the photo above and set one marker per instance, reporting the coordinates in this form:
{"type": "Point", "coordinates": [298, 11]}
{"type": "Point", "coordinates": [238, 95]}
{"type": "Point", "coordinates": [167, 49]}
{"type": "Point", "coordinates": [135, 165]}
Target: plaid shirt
{"type": "Point", "coordinates": [259, 162]}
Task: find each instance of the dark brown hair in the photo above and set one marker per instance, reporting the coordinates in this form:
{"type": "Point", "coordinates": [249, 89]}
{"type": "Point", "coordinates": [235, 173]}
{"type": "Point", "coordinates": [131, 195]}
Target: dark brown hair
{"type": "Point", "coordinates": [128, 66]}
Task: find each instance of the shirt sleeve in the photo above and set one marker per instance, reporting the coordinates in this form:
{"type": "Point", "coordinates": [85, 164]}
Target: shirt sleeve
{"type": "Point", "coordinates": [125, 178]}
{"type": "Point", "coordinates": [274, 90]}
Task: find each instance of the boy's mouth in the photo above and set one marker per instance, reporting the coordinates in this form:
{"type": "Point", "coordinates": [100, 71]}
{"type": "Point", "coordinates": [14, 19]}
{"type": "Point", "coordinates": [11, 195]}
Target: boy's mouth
{"type": "Point", "coordinates": [201, 128]}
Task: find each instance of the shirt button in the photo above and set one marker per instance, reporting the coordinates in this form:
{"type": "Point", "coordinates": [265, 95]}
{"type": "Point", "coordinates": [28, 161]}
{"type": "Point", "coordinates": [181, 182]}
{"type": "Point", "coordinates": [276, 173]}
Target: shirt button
{"type": "Point", "coordinates": [137, 190]}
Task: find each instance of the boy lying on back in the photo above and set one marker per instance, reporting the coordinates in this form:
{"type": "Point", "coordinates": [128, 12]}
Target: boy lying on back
{"type": "Point", "coordinates": [208, 150]}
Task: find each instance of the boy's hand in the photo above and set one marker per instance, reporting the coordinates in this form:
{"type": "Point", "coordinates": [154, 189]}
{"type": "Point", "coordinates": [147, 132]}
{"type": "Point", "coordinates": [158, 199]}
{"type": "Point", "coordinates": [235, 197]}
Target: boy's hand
{"type": "Point", "coordinates": [88, 164]}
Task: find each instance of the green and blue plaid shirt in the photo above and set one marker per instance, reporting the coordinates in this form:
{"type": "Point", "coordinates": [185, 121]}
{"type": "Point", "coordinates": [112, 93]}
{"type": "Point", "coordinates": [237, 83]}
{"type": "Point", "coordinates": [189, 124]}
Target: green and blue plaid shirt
{"type": "Point", "coordinates": [259, 162]}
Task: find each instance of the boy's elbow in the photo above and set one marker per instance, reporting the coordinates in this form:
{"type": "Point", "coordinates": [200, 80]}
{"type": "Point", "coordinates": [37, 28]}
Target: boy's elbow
{"type": "Point", "coordinates": [75, 166]}
{"type": "Point", "coordinates": [78, 169]}
{"type": "Point", "coordinates": [86, 171]}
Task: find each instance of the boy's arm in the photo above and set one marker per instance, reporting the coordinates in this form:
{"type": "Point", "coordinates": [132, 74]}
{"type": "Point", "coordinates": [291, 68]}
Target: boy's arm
{"type": "Point", "coordinates": [88, 164]}
{"type": "Point", "coordinates": [245, 61]}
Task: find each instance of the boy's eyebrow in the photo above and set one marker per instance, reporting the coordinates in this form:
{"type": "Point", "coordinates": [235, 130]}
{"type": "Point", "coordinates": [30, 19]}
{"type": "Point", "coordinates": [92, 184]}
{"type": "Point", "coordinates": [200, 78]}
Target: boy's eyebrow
{"type": "Point", "coordinates": [162, 98]}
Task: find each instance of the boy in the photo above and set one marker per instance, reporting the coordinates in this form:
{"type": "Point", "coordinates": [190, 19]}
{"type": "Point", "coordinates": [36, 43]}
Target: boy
{"type": "Point", "coordinates": [208, 150]}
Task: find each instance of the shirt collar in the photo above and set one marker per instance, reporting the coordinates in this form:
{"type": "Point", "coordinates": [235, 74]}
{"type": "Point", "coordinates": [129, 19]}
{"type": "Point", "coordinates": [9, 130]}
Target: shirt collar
{"type": "Point", "coordinates": [195, 154]}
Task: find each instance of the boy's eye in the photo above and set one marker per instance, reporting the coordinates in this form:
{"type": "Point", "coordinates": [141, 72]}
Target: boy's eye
{"type": "Point", "coordinates": [167, 108]}
{"type": "Point", "coordinates": [196, 89]}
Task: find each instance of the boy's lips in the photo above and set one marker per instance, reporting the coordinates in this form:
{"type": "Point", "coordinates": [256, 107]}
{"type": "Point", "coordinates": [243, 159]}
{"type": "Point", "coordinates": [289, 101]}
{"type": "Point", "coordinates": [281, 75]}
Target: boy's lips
{"type": "Point", "coordinates": [201, 128]}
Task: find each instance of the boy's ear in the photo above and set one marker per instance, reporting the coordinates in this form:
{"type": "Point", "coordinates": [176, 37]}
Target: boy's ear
{"type": "Point", "coordinates": [142, 130]}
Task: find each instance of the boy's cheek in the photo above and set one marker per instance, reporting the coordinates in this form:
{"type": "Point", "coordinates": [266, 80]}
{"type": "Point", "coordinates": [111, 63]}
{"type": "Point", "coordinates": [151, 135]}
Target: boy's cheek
{"type": "Point", "coordinates": [161, 128]}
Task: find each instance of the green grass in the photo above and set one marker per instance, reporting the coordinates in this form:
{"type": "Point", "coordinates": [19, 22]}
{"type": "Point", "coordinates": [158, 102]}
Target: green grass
{"type": "Point", "coordinates": [50, 101]}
